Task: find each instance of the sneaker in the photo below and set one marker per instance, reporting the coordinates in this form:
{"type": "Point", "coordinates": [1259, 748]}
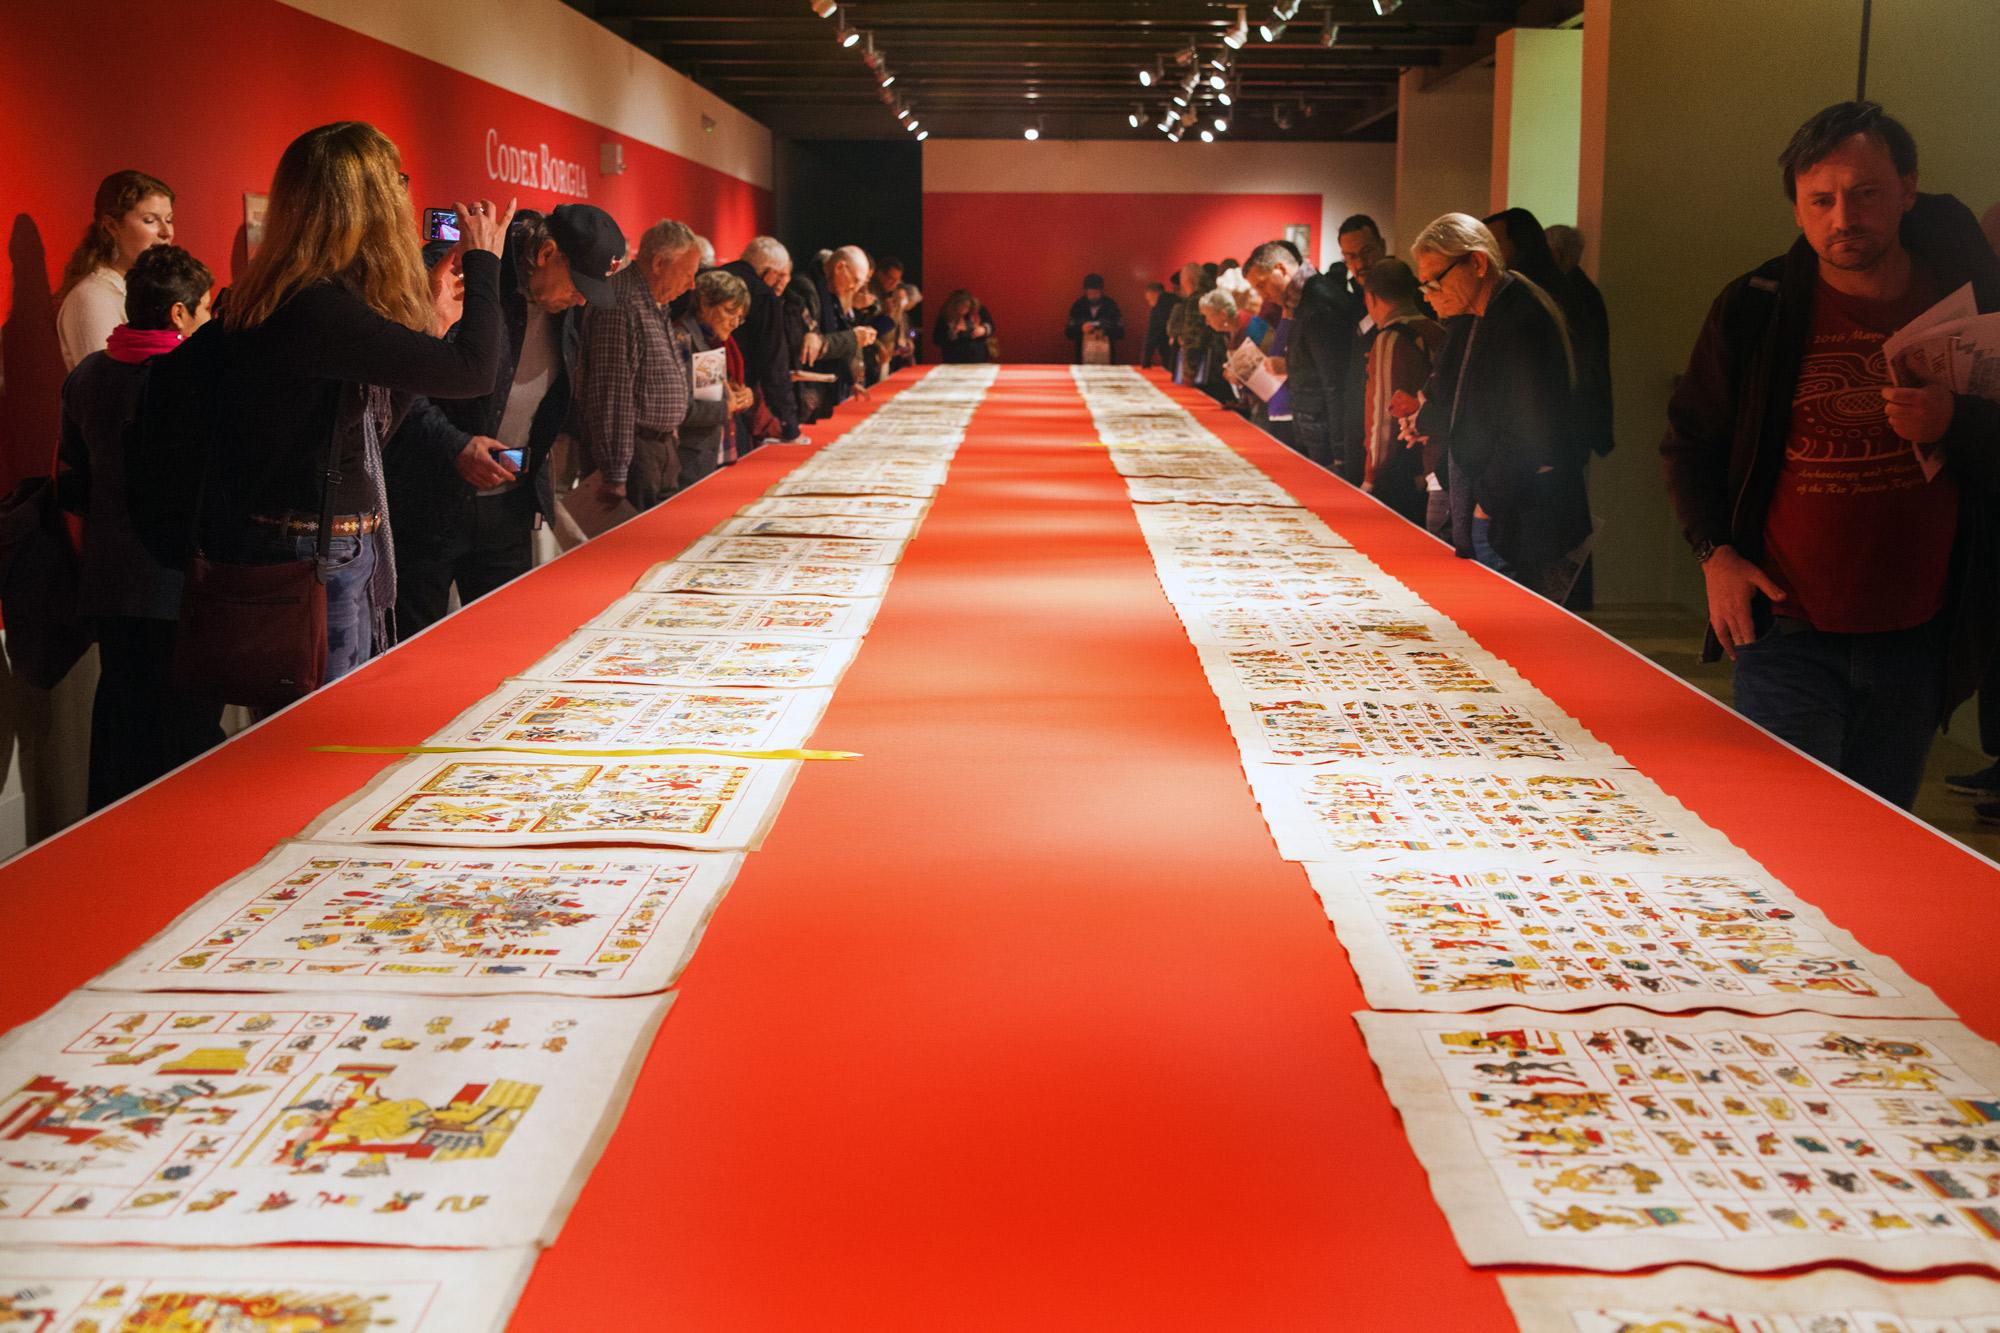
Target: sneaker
{"type": "Point", "coordinates": [1986, 782]}
{"type": "Point", "coordinates": [1987, 812]}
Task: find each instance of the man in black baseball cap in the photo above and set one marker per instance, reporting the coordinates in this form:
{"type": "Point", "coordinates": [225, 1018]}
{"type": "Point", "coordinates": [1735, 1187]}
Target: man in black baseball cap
{"type": "Point", "coordinates": [591, 244]}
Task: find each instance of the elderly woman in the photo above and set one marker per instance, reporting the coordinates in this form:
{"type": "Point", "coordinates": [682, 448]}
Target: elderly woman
{"type": "Point", "coordinates": [721, 300]}
{"type": "Point", "coordinates": [1219, 315]}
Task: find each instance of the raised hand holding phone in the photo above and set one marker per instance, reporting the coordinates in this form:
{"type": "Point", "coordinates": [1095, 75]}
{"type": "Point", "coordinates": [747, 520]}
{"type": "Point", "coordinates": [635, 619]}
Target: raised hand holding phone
{"type": "Point", "coordinates": [483, 226]}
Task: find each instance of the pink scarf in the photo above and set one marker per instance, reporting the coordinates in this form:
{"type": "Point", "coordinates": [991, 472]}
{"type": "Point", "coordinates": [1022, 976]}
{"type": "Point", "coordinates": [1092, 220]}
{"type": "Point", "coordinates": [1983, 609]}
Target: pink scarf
{"type": "Point", "coordinates": [132, 346]}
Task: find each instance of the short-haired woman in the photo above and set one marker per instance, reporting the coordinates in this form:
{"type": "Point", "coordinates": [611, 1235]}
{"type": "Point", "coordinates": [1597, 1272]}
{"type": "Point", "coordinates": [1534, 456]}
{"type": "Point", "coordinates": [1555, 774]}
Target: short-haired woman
{"type": "Point", "coordinates": [721, 300]}
{"type": "Point", "coordinates": [320, 347]}
{"type": "Point", "coordinates": [964, 332]}
{"type": "Point", "coordinates": [139, 727]}
{"type": "Point", "coordinates": [131, 212]}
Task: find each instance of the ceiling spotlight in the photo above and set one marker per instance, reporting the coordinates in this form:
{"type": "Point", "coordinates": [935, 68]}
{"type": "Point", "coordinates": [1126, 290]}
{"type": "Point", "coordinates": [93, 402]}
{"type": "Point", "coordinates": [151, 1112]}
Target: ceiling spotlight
{"type": "Point", "coordinates": [1226, 98]}
{"type": "Point", "coordinates": [923, 135]}
{"type": "Point", "coordinates": [1147, 78]}
{"type": "Point", "coordinates": [1384, 8]}
{"type": "Point", "coordinates": [846, 36]}
{"type": "Point", "coordinates": [1217, 82]}
{"type": "Point", "coordinates": [869, 56]}
{"type": "Point", "coordinates": [911, 123]}
{"type": "Point", "coordinates": [1034, 131]}
{"type": "Point", "coordinates": [884, 77]}
{"type": "Point", "coordinates": [1282, 115]}
{"type": "Point", "coordinates": [902, 113]}
{"type": "Point", "coordinates": [1271, 30]}
{"type": "Point", "coordinates": [1329, 32]}
{"type": "Point", "coordinates": [825, 8]}
{"type": "Point", "coordinates": [1180, 99]}
{"type": "Point", "coordinates": [1222, 125]}
{"type": "Point", "coordinates": [1219, 62]}
{"type": "Point", "coordinates": [1138, 114]}
{"type": "Point", "coordinates": [1208, 136]}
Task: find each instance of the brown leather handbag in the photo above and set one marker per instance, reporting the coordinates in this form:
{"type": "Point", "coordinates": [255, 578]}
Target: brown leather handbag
{"type": "Point", "coordinates": [256, 634]}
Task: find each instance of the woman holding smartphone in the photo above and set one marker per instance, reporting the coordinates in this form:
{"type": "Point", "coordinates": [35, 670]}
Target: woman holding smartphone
{"type": "Point", "coordinates": [317, 354]}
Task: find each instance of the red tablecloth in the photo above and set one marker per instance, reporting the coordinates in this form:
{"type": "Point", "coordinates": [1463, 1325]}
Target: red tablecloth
{"type": "Point", "coordinates": [1019, 1021]}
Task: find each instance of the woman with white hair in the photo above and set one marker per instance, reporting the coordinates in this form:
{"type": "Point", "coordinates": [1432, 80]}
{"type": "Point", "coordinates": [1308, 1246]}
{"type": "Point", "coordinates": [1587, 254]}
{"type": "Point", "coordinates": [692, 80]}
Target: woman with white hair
{"type": "Point", "coordinates": [1218, 311]}
{"type": "Point", "coordinates": [1501, 400]}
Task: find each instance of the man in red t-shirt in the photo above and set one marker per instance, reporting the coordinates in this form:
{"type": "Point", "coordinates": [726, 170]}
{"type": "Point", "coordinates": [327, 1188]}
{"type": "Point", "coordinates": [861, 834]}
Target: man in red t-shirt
{"type": "Point", "coordinates": [1845, 523]}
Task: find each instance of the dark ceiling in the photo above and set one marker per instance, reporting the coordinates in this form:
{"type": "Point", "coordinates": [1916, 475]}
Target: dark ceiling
{"type": "Point", "coordinates": [992, 68]}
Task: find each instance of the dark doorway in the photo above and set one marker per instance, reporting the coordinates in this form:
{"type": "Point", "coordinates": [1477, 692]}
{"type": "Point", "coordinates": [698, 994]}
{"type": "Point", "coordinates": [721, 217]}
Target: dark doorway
{"type": "Point", "coordinates": [865, 192]}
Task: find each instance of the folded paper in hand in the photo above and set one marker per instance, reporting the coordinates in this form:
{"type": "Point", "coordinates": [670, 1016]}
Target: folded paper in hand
{"type": "Point", "coordinates": [1951, 344]}
{"type": "Point", "coordinates": [1246, 366]}
{"type": "Point", "coordinates": [711, 371]}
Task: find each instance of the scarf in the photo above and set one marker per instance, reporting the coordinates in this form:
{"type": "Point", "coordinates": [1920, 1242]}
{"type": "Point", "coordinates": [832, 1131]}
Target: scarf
{"type": "Point", "coordinates": [130, 346]}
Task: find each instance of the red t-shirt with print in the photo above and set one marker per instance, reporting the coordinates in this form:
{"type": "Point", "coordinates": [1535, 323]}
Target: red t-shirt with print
{"type": "Point", "coordinates": [1855, 535]}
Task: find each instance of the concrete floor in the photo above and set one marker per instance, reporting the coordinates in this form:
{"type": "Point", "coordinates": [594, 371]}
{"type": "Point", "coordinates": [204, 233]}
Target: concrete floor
{"type": "Point", "coordinates": [1671, 636]}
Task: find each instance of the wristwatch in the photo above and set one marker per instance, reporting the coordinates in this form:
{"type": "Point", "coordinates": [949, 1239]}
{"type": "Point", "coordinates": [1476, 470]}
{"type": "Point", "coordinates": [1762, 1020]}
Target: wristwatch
{"type": "Point", "coordinates": [1703, 550]}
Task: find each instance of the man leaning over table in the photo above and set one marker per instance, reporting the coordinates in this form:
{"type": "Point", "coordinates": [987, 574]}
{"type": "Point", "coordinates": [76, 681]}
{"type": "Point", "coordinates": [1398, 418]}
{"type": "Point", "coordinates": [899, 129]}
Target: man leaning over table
{"type": "Point", "coordinates": [1859, 600]}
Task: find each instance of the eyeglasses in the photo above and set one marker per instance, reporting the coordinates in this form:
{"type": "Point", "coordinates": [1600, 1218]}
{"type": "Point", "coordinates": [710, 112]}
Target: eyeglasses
{"type": "Point", "coordinates": [404, 177]}
{"type": "Point", "coordinates": [1436, 284]}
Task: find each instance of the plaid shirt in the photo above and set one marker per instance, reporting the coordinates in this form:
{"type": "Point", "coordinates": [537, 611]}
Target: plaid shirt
{"type": "Point", "coordinates": [634, 376]}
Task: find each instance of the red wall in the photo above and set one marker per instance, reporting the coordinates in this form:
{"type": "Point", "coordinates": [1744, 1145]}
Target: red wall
{"type": "Point", "coordinates": [1025, 255]}
{"type": "Point", "coordinates": [205, 94]}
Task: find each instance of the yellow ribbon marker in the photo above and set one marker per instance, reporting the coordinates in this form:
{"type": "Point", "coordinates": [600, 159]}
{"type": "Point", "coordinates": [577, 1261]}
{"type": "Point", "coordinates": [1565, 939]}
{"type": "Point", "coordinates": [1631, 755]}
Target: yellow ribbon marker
{"type": "Point", "coordinates": [586, 753]}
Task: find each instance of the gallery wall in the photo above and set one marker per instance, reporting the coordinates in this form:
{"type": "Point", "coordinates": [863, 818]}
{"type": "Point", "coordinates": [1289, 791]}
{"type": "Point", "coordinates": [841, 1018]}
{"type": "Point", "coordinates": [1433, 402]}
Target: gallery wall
{"type": "Point", "coordinates": [206, 93]}
{"type": "Point", "coordinates": [1019, 223]}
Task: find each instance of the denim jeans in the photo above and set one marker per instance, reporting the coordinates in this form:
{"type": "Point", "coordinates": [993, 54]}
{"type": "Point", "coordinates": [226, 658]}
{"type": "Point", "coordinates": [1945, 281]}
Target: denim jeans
{"type": "Point", "coordinates": [1866, 705]}
{"type": "Point", "coordinates": [1312, 436]}
{"type": "Point", "coordinates": [350, 612]}
{"type": "Point", "coordinates": [1437, 515]}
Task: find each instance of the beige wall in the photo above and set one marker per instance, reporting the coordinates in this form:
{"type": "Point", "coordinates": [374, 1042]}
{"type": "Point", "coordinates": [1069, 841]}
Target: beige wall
{"type": "Point", "coordinates": [550, 53]}
{"type": "Point", "coordinates": [1349, 177]}
{"type": "Point", "coordinates": [1933, 65]}
{"type": "Point", "coordinates": [1686, 106]}
{"type": "Point", "coordinates": [1537, 122]}
{"type": "Point", "coordinates": [1444, 148]}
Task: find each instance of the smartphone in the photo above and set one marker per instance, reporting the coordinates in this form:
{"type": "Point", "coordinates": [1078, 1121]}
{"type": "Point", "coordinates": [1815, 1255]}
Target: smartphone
{"type": "Point", "coordinates": [512, 458]}
{"type": "Point", "coordinates": [440, 224]}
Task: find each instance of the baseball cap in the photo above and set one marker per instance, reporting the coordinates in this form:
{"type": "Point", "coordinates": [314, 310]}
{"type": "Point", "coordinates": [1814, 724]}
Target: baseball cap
{"type": "Point", "coordinates": [1091, 280]}
{"type": "Point", "coordinates": [592, 243]}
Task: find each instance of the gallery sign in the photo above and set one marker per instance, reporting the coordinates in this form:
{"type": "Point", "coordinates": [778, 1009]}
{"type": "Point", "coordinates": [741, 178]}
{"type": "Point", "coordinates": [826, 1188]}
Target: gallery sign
{"type": "Point", "coordinates": [536, 168]}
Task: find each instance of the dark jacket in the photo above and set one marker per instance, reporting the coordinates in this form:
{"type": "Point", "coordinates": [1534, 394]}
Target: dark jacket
{"type": "Point", "coordinates": [767, 352]}
{"type": "Point", "coordinates": [1590, 335]}
{"type": "Point", "coordinates": [1108, 315]}
{"type": "Point", "coordinates": [958, 347]}
{"type": "Point", "coordinates": [119, 576]}
{"type": "Point", "coordinates": [835, 325]}
{"type": "Point", "coordinates": [1729, 417]}
{"type": "Point", "coordinates": [1317, 356]}
{"type": "Point", "coordinates": [1156, 328]}
{"type": "Point", "coordinates": [252, 412]}
{"type": "Point", "coordinates": [428, 499]}
{"type": "Point", "coordinates": [1501, 400]}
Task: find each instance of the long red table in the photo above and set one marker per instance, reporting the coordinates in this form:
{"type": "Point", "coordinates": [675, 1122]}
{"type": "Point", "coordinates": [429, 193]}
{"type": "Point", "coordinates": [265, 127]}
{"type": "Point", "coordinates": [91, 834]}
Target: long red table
{"type": "Point", "coordinates": [1019, 1021]}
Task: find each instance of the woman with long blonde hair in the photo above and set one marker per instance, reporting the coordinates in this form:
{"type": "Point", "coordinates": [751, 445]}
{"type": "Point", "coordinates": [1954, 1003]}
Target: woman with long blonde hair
{"type": "Point", "coordinates": [131, 213]}
{"type": "Point", "coordinates": [319, 351]}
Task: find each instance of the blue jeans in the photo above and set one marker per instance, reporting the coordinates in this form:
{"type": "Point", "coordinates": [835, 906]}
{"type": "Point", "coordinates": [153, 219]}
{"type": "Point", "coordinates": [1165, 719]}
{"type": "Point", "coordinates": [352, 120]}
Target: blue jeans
{"type": "Point", "coordinates": [1437, 515]}
{"type": "Point", "coordinates": [350, 611]}
{"type": "Point", "coordinates": [1865, 705]}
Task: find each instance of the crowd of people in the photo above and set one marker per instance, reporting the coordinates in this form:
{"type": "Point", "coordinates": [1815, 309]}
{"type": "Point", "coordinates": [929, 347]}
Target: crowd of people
{"type": "Point", "coordinates": [1842, 514]}
{"type": "Point", "coordinates": [279, 479]}
{"type": "Point", "coordinates": [1467, 393]}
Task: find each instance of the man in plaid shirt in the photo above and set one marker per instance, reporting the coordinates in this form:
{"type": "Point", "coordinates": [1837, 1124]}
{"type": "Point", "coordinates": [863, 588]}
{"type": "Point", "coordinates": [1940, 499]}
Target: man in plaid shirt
{"type": "Point", "coordinates": [636, 376]}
